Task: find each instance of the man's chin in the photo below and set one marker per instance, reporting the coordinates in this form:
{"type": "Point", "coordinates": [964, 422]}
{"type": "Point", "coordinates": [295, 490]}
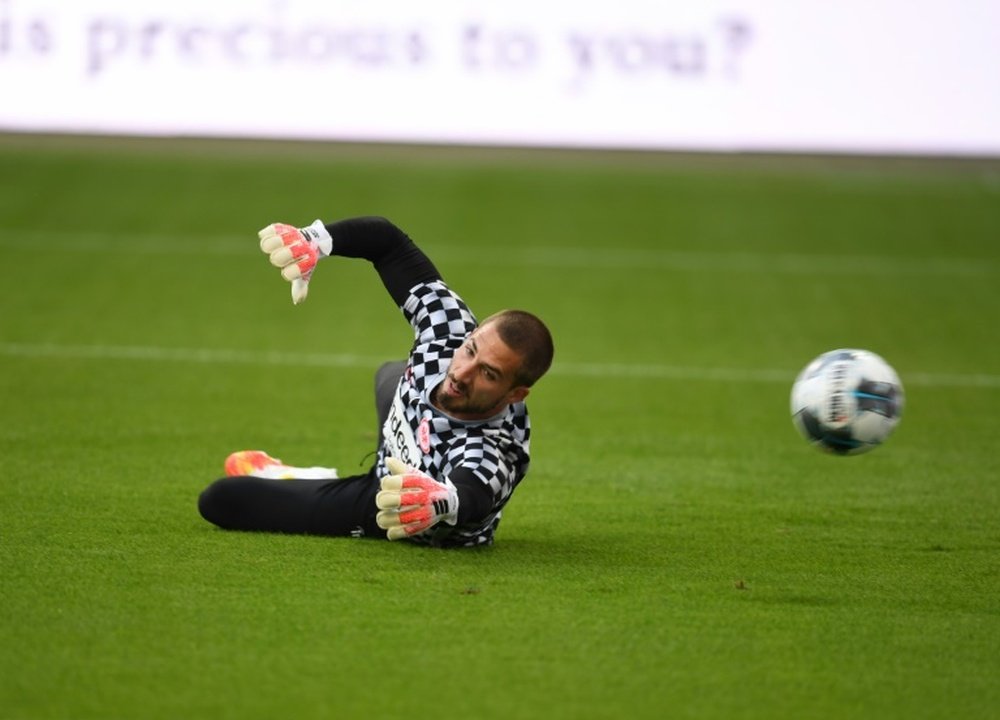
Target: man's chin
{"type": "Point", "coordinates": [451, 403]}
{"type": "Point", "coordinates": [459, 406]}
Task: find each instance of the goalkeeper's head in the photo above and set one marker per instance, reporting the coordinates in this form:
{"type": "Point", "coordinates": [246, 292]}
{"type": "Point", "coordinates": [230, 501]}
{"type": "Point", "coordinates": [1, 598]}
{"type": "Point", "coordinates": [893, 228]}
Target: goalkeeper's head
{"type": "Point", "coordinates": [495, 366]}
{"type": "Point", "coordinates": [527, 336]}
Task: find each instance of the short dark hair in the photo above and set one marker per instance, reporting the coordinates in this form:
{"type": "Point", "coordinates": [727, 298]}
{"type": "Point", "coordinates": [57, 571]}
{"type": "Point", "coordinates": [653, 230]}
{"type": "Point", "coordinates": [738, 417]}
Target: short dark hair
{"type": "Point", "coordinates": [526, 335]}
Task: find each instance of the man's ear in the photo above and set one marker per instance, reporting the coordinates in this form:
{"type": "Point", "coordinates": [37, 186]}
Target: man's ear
{"type": "Point", "coordinates": [518, 394]}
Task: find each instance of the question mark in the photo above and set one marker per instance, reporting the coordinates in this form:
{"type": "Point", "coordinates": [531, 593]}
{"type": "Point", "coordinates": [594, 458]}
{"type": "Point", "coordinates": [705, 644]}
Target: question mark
{"type": "Point", "coordinates": [736, 34]}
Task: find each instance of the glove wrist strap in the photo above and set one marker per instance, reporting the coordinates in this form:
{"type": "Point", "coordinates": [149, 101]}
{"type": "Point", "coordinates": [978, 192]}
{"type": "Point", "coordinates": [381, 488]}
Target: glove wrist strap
{"type": "Point", "coordinates": [318, 234]}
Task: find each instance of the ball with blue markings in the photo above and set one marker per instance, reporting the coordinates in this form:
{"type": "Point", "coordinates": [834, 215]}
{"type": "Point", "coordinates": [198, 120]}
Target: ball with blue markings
{"type": "Point", "coordinates": [847, 401]}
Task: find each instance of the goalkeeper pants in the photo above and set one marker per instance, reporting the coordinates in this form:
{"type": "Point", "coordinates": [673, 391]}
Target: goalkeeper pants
{"type": "Point", "coordinates": [340, 507]}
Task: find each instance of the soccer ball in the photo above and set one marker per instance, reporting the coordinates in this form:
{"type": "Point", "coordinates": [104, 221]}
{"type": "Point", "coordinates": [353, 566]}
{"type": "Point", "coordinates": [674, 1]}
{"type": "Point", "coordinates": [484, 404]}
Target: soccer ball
{"type": "Point", "coordinates": [847, 401]}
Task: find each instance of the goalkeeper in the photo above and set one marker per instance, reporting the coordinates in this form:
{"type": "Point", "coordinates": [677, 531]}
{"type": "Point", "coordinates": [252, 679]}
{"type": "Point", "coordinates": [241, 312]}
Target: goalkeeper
{"type": "Point", "coordinates": [454, 430]}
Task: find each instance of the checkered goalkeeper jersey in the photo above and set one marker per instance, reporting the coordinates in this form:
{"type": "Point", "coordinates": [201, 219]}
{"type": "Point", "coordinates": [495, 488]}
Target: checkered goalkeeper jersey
{"type": "Point", "coordinates": [485, 459]}
{"type": "Point", "coordinates": [490, 454]}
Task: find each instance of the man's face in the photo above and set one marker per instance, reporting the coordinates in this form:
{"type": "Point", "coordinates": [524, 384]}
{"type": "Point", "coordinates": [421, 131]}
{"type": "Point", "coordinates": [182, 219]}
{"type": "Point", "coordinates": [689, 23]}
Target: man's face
{"type": "Point", "coordinates": [480, 381]}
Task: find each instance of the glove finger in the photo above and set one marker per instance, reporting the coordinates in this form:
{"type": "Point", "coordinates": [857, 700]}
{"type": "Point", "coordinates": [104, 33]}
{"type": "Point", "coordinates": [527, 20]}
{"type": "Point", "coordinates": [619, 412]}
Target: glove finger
{"type": "Point", "coordinates": [417, 518]}
{"type": "Point", "coordinates": [388, 499]}
{"type": "Point", "coordinates": [397, 533]}
{"type": "Point", "coordinates": [302, 267]}
{"type": "Point", "coordinates": [300, 289]}
{"type": "Point", "coordinates": [268, 230]}
{"type": "Point", "coordinates": [390, 520]}
{"type": "Point", "coordinates": [279, 234]}
{"type": "Point", "coordinates": [397, 466]}
{"type": "Point", "coordinates": [414, 494]}
{"type": "Point", "coordinates": [269, 240]}
{"type": "Point", "coordinates": [391, 482]}
{"type": "Point", "coordinates": [282, 256]}
{"type": "Point", "coordinates": [387, 519]}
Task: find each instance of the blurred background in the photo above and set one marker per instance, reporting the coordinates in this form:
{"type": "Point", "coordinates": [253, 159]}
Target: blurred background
{"type": "Point", "coordinates": [759, 75]}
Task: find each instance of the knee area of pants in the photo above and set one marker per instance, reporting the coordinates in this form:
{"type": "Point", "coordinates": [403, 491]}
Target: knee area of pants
{"type": "Point", "coordinates": [214, 500]}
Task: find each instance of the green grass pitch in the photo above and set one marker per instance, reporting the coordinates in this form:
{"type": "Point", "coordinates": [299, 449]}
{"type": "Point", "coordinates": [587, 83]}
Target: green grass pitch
{"type": "Point", "coordinates": [677, 550]}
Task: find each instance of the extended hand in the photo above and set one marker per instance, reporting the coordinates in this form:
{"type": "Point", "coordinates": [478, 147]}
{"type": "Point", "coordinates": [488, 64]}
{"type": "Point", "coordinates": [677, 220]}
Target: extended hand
{"type": "Point", "coordinates": [411, 501]}
{"type": "Point", "coordinates": [296, 251]}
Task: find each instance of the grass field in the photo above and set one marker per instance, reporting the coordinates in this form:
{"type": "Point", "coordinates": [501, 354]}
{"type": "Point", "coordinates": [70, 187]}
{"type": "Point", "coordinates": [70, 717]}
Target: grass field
{"type": "Point", "coordinates": [677, 550]}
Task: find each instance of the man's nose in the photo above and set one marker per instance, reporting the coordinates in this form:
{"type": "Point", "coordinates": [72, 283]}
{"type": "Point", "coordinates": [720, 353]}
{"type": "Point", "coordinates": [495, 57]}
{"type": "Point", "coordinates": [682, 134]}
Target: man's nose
{"type": "Point", "coordinates": [463, 373]}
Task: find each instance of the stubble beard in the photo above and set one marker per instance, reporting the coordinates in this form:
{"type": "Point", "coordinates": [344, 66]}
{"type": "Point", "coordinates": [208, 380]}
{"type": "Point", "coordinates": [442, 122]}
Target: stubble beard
{"type": "Point", "coordinates": [461, 404]}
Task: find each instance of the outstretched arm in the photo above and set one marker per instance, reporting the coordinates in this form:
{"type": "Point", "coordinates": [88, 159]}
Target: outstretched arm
{"type": "Point", "coordinates": [399, 262]}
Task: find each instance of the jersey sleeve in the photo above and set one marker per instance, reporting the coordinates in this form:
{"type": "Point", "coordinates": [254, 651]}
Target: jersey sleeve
{"type": "Point", "coordinates": [475, 501]}
{"type": "Point", "coordinates": [401, 265]}
{"type": "Point", "coordinates": [485, 482]}
{"type": "Point", "coordinates": [478, 461]}
{"type": "Point", "coordinates": [435, 312]}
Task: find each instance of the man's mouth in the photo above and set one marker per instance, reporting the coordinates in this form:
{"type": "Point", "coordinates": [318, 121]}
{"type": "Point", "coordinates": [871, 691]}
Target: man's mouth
{"type": "Point", "coordinates": [452, 388]}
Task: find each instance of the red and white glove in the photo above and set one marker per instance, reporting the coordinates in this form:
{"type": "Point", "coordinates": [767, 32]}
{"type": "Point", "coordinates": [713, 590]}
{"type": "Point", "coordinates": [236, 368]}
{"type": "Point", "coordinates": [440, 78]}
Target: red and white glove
{"type": "Point", "coordinates": [296, 251]}
{"type": "Point", "coordinates": [411, 501]}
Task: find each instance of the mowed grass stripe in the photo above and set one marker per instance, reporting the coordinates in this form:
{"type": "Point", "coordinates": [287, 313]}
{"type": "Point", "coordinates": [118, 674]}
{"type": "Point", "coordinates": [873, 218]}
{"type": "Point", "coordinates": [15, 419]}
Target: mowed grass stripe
{"type": "Point", "coordinates": [618, 258]}
{"type": "Point", "coordinates": [647, 371]}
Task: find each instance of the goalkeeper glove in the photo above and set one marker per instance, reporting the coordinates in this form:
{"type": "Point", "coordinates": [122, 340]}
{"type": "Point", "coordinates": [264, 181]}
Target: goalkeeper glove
{"type": "Point", "coordinates": [296, 251]}
{"type": "Point", "coordinates": [411, 501]}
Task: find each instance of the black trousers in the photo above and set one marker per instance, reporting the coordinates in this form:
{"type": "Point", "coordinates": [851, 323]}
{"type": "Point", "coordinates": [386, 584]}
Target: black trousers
{"type": "Point", "coordinates": [341, 507]}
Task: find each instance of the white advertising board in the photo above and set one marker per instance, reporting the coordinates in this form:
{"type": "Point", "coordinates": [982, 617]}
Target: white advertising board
{"type": "Point", "coordinates": [880, 76]}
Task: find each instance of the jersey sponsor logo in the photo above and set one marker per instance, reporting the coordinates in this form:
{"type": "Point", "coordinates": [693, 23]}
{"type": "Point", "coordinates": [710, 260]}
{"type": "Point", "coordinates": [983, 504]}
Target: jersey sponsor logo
{"type": "Point", "coordinates": [424, 435]}
{"type": "Point", "coordinates": [399, 441]}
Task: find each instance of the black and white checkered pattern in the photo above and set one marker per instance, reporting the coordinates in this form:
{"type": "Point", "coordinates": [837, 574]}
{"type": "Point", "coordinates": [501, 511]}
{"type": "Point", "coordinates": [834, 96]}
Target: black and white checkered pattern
{"type": "Point", "coordinates": [494, 450]}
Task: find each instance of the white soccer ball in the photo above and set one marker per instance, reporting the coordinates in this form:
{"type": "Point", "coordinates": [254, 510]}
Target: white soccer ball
{"type": "Point", "coordinates": [847, 401]}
